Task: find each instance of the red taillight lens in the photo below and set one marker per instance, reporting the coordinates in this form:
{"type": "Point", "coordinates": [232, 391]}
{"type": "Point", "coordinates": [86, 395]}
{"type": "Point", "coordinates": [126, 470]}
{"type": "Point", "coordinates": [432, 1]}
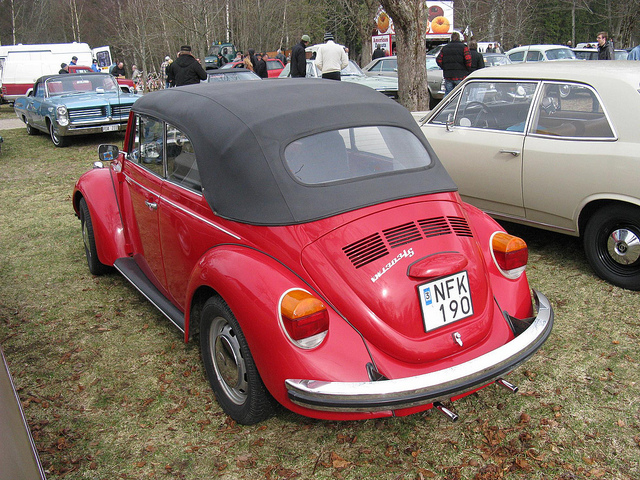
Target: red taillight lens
{"type": "Point", "coordinates": [510, 253]}
{"type": "Point", "coordinates": [303, 316]}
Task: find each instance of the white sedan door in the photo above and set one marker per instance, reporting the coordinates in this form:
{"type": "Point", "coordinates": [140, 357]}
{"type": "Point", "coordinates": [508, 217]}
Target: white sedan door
{"type": "Point", "coordinates": [479, 137]}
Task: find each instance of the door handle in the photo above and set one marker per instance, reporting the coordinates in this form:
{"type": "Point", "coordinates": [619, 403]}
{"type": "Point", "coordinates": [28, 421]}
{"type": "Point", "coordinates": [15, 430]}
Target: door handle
{"type": "Point", "coordinates": [515, 153]}
{"type": "Point", "coordinates": [151, 205]}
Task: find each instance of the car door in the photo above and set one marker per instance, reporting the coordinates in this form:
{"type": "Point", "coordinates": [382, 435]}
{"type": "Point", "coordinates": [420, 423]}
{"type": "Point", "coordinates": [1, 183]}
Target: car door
{"type": "Point", "coordinates": [572, 153]}
{"type": "Point", "coordinates": [144, 173]}
{"type": "Point", "coordinates": [479, 136]}
{"type": "Point", "coordinates": [36, 110]}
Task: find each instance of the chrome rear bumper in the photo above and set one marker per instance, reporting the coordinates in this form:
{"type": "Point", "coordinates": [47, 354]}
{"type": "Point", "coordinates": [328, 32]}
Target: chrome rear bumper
{"type": "Point", "coordinates": [430, 387]}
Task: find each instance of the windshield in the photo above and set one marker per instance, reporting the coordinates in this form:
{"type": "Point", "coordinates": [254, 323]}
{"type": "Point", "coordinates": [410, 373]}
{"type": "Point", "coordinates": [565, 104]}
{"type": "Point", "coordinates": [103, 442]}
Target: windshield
{"type": "Point", "coordinates": [350, 153]}
{"type": "Point", "coordinates": [351, 69]}
{"type": "Point", "coordinates": [82, 83]}
{"type": "Point", "coordinates": [560, 54]}
{"type": "Point", "coordinates": [213, 51]}
{"type": "Point", "coordinates": [231, 76]}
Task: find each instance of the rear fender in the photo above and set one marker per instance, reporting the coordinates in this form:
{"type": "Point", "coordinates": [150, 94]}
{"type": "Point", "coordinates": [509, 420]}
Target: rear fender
{"type": "Point", "coordinates": [97, 188]}
{"type": "Point", "coordinates": [252, 283]}
{"type": "Point", "coordinates": [513, 296]}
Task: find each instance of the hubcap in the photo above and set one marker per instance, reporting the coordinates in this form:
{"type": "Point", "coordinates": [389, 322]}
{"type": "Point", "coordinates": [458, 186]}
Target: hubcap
{"type": "Point", "coordinates": [228, 361]}
{"type": "Point", "coordinates": [624, 246]}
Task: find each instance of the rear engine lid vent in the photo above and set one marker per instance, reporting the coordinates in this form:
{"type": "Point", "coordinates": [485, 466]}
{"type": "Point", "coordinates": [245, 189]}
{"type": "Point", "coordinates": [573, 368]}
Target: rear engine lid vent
{"type": "Point", "coordinates": [366, 250]}
{"type": "Point", "coordinates": [460, 226]}
{"type": "Point", "coordinates": [402, 234]}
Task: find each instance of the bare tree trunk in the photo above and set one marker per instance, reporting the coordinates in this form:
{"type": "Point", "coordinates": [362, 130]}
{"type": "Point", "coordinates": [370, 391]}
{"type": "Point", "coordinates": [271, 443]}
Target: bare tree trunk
{"type": "Point", "coordinates": [410, 22]}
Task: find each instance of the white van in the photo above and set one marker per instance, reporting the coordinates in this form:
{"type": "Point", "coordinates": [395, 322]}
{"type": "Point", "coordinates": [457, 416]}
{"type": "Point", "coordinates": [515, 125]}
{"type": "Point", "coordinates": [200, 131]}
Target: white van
{"type": "Point", "coordinates": [22, 65]}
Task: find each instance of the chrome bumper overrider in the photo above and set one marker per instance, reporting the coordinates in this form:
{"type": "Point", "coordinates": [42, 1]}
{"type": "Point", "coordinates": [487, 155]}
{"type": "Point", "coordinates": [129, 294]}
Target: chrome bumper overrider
{"type": "Point", "coordinates": [430, 387]}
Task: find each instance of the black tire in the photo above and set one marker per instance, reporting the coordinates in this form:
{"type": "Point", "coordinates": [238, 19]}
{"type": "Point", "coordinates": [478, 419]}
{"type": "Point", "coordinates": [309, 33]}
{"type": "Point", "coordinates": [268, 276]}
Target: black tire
{"type": "Point", "coordinates": [88, 239]}
{"type": "Point", "coordinates": [30, 129]}
{"type": "Point", "coordinates": [230, 368]}
{"type": "Point", "coordinates": [57, 139]}
{"type": "Point", "coordinates": [612, 245]}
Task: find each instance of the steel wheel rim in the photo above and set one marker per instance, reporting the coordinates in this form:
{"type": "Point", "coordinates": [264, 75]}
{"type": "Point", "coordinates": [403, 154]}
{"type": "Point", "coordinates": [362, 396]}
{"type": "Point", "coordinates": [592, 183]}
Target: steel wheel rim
{"type": "Point", "coordinates": [623, 246]}
{"type": "Point", "coordinates": [228, 363]}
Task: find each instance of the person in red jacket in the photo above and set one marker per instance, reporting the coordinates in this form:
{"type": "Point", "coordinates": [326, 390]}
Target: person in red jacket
{"type": "Point", "coordinates": [455, 61]}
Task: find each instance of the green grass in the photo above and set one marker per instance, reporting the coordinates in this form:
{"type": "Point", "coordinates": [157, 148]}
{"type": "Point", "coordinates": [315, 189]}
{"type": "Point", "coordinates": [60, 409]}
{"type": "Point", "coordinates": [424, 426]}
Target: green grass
{"type": "Point", "coordinates": [111, 391]}
{"type": "Point", "coordinates": [6, 111]}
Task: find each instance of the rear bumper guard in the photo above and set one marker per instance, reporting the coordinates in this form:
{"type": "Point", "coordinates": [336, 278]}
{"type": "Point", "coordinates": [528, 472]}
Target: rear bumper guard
{"type": "Point", "coordinates": [430, 387]}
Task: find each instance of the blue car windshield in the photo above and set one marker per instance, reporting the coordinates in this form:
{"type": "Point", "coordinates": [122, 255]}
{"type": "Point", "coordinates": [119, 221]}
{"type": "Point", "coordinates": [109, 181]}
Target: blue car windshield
{"type": "Point", "coordinates": [83, 83]}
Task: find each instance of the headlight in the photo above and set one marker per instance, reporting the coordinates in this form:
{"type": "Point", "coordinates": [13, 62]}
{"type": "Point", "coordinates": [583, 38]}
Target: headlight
{"type": "Point", "coordinates": [62, 116]}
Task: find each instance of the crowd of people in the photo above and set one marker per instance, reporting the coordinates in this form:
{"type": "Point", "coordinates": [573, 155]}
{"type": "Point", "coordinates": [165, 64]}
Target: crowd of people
{"type": "Point", "coordinates": [456, 59]}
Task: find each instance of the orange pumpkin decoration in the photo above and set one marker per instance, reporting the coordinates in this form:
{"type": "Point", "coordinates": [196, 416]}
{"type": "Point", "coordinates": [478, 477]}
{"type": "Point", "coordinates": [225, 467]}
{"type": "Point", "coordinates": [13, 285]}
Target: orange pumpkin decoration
{"type": "Point", "coordinates": [440, 25]}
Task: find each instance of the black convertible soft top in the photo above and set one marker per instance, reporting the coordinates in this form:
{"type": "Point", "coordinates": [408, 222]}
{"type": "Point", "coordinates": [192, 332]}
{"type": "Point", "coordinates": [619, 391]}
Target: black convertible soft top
{"type": "Point", "coordinates": [239, 131]}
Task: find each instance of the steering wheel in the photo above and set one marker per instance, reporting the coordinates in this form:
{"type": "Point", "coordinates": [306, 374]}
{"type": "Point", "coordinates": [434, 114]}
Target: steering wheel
{"type": "Point", "coordinates": [489, 115]}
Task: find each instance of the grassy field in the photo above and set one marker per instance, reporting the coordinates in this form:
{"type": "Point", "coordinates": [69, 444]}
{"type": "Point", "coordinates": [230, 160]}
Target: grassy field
{"type": "Point", "coordinates": [111, 391]}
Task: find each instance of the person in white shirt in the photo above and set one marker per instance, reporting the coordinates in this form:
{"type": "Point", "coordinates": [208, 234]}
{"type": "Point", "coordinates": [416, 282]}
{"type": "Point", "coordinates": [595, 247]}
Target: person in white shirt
{"type": "Point", "coordinates": [331, 58]}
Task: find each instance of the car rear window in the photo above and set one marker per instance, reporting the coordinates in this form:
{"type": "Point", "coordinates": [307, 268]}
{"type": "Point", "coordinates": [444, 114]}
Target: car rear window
{"type": "Point", "coordinates": [351, 153]}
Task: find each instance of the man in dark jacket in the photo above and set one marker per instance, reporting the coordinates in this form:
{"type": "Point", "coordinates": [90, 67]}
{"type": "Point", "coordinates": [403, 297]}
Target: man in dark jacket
{"type": "Point", "coordinates": [261, 67]}
{"type": "Point", "coordinates": [605, 49]}
{"type": "Point", "coordinates": [455, 61]}
{"type": "Point", "coordinates": [477, 60]}
{"type": "Point", "coordinates": [186, 70]}
{"type": "Point", "coordinates": [299, 58]}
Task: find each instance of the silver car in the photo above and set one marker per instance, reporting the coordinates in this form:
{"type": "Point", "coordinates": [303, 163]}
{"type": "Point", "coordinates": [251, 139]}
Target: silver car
{"type": "Point", "coordinates": [553, 145]}
{"type": "Point", "coordinates": [352, 73]}
{"type": "Point", "coordinates": [388, 67]}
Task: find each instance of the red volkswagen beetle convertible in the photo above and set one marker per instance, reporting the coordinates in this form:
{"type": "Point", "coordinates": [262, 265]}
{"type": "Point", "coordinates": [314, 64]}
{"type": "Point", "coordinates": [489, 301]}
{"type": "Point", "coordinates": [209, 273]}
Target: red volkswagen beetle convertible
{"type": "Point", "coordinates": [315, 243]}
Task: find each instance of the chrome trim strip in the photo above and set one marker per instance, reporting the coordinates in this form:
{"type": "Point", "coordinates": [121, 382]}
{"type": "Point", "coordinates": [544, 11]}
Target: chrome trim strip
{"type": "Point", "coordinates": [430, 387]}
{"type": "Point", "coordinates": [184, 210]}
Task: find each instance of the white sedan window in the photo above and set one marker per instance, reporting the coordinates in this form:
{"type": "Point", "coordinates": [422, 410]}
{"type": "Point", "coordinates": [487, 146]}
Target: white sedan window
{"type": "Point", "coordinates": [492, 106]}
{"type": "Point", "coordinates": [570, 110]}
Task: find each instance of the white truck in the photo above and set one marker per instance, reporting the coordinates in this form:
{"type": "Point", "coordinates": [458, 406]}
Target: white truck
{"type": "Point", "coordinates": [22, 65]}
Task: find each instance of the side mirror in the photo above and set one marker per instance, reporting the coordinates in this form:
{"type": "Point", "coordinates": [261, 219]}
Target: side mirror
{"type": "Point", "coordinates": [108, 153]}
{"type": "Point", "coordinates": [449, 123]}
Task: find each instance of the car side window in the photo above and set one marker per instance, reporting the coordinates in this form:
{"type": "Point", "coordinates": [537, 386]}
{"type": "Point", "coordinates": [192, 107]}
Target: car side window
{"type": "Point", "coordinates": [39, 91]}
{"type": "Point", "coordinates": [148, 150]}
{"type": "Point", "coordinates": [517, 57]}
{"type": "Point", "coordinates": [182, 167]}
{"type": "Point", "coordinates": [377, 67]}
{"type": "Point", "coordinates": [389, 65]}
{"type": "Point", "coordinates": [494, 105]}
{"type": "Point", "coordinates": [533, 56]}
{"type": "Point", "coordinates": [570, 110]}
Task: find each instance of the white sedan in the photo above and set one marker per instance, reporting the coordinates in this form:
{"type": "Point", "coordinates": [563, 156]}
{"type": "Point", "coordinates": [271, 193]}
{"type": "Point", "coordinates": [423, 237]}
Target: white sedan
{"type": "Point", "coordinates": [553, 145]}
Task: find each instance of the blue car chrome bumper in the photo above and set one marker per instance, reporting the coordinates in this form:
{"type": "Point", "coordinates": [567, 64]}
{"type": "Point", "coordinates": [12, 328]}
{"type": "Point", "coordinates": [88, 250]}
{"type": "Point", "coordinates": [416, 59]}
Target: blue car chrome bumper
{"type": "Point", "coordinates": [430, 387]}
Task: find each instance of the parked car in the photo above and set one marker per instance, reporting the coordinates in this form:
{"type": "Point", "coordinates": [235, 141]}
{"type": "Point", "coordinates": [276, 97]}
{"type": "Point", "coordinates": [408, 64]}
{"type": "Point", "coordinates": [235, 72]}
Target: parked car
{"type": "Point", "coordinates": [540, 53]}
{"type": "Point", "coordinates": [388, 67]}
{"type": "Point", "coordinates": [554, 146]}
{"type": "Point", "coordinates": [495, 59]}
{"type": "Point", "coordinates": [327, 263]}
{"type": "Point", "coordinates": [274, 67]}
{"type": "Point", "coordinates": [74, 104]}
{"type": "Point", "coordinates": [18, 455]}
{"type": "Point", "coordinates": [353, 73]}
{"type": "Point", "coordinates": [126, 85]}
{"type": "Point", "coordinates": [585, 53]}
{"type": "Point", "coordinates": [229, 75]}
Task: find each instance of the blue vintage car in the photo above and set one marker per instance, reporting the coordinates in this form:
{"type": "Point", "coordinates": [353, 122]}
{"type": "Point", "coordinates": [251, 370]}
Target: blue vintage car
{"type": "Point", "coordinates": [74, 104]}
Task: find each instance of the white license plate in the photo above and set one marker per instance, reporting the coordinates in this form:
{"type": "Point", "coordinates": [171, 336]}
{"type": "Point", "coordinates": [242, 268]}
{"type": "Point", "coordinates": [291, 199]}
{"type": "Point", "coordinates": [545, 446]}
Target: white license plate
{"type": "Point", "coordinates": [110, 128]}
{"type": "Point", "coordinates": [445, 301]}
